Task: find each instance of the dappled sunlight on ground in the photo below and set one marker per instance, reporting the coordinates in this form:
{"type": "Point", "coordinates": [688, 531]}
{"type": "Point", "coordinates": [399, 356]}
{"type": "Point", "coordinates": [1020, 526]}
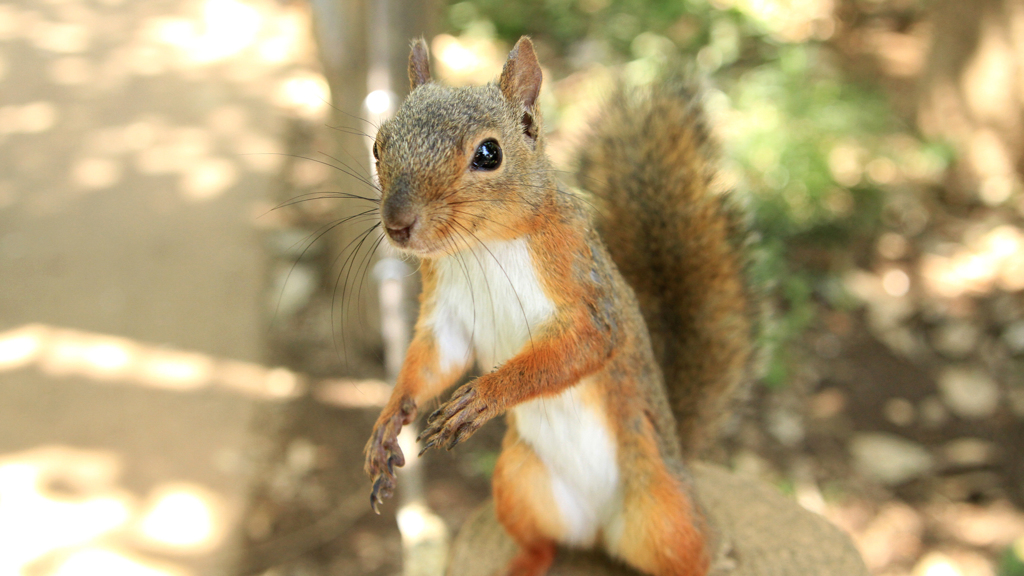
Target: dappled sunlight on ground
{"type": "Point", "coordinates": [53, 498]}
{"type": "Point", "coordinates": [992, 260]}
{"type": "Point", "coordinates": [896, 534]}
{"type": "Point", "coordinates": [114, 563]}
{"type": "Point", "coordinates": [260, 50]}
{"type": "Point", "coordinates": [62, 352]}
{"type": "Point", "coordinates": [182, 518]}
{"type": "Point", "coordinates": [63, 513]}
{"type": "Point", "coordinates": [137, 139]}
{"type": "Point", "coordinates": [99, 357]}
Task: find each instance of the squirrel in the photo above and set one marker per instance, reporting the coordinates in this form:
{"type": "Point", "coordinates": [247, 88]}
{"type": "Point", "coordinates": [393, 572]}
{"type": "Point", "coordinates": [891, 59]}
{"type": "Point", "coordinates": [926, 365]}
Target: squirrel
{"type": "Point", "coordinates": [610, 337]}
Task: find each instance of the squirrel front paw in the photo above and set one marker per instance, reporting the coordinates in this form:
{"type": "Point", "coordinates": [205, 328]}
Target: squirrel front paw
{"type": "Point", "coordinates": [463, 414]}
{"type": "Point", "coordinates": [383, 453]}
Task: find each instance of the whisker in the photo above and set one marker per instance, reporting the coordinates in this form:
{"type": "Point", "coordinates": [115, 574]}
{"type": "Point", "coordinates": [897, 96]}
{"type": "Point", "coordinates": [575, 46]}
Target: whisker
{"type": "Point", "coordinates": [349, 130]}
{"type": "Point", "coordinates": [348, 194]}
{"type": "Point", "coordinates": [328, 164]}
{"type": "Point", "coordinates": [345, 265]}
{"type": "Point", "coordinates": [478, 216]}
{"type": "Point", "coordinates": [511, 285]}
{"type": "Point", "coordinates": [318, 233]}
{"type": "Point", "coordinates": [317, 196]}
{"type": "Point", "coordinates": [366, 261]}
{"type": "Point", "coordinates": [487, 282]}
{"type": "Point", "coordinates": [571, 195]}
{"type": "Point", "coordinates": [360, 118]}
{"type": "Point", "coordinates": [456, 253]}
{"type": "Point", "coordinates": [368, 177]}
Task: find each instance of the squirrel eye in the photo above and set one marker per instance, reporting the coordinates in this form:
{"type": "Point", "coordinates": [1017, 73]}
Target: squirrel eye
{"type": "Point", "coordinates": [376, 155]}
{"type": "Point", "coordinates": [488, 155]}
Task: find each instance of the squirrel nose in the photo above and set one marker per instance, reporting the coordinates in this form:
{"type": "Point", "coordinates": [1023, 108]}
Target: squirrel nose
{"type": "Point", "coordinates": [400, 227]}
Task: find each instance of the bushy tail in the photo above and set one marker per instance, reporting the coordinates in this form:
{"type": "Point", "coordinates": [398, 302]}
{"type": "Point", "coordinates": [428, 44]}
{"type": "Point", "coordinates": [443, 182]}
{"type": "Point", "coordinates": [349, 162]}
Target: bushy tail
{"type": "Point", "coordinates": [678, 240]}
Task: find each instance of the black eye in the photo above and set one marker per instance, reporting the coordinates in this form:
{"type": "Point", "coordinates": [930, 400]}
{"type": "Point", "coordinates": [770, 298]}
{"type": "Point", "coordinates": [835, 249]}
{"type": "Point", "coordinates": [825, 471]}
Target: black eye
{"type": "Point", "coordinates": [376, 155]}
{"type": "Point", "coordinates": [488, 155]}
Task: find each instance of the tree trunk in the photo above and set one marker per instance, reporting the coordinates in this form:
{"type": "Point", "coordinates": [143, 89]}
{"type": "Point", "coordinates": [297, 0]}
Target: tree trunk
{"type": "Point", "coordinates": [363, 46]}
{"type": "Point", "coordinates": [972, 90]}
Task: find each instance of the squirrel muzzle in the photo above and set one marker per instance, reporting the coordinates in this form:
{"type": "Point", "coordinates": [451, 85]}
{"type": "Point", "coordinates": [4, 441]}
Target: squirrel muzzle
{"type": "Point", "coordinates": [399, 215]}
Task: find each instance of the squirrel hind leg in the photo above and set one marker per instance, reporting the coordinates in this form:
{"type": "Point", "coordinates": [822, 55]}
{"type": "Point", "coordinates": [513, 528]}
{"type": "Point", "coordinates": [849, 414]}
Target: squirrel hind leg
{"type": "Point", "coordinates": [534, 560]}
{"type": "Point", "coordinates": [525, 507]}
{"type": "Point", "coordinates": [660, 529]}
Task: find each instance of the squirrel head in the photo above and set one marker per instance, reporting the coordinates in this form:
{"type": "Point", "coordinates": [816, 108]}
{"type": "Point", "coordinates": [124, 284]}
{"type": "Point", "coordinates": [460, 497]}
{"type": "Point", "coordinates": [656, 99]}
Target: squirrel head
{"type": "Point", "coordinates": [458, 166]}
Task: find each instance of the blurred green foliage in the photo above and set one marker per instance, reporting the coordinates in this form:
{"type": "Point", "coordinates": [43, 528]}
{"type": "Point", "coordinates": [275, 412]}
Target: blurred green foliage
{"type": "Point", "coordinates": [1012, 564]}
{"type": "Point", "coordinates": [813, 153]}
{"type": "Point", "coordinates": [563, 23]}
{"type": "Point", "coordinates": [792, 115]}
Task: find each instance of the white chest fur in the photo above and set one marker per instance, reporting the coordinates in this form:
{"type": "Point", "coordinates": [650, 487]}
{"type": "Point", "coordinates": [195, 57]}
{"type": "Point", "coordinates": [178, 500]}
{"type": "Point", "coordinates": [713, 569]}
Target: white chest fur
{"type": "Point", "coordinates": [571, 437]}
{"type": "Point", "coordinates": [491, 300]}
{"type": "Point", "coordinates": [488, 297]}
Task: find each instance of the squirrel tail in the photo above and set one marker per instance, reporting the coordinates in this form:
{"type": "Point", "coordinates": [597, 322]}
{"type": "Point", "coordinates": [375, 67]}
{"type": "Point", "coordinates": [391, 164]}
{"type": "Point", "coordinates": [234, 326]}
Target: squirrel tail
{"type": "Point", "coordinates": [678, 238]}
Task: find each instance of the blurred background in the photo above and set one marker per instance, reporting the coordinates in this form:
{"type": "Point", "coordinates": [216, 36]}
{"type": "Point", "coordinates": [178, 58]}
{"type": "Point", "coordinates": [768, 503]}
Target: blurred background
{"type": "Point", "coordinates": [191, 352]}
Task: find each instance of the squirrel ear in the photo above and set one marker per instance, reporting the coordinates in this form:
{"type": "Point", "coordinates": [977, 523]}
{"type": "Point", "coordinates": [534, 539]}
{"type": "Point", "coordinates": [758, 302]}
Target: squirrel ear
{"type": "Point", "coordinates": [521, 76]}
{"type": "Point", "coordinates": [419, 63]}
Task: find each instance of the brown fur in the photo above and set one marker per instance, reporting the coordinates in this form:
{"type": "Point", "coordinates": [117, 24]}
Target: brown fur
{"type": "Point", "coordinates": [596, 341]}
{"type": "Point", "coordinates": [674, 236]}
{"type": "Point", "coordinates": [419, 63]}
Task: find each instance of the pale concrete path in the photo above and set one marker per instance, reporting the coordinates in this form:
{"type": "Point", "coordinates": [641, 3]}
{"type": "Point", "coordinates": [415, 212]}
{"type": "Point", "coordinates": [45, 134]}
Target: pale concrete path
{"type": "Point", "coordinates": [132, 275]}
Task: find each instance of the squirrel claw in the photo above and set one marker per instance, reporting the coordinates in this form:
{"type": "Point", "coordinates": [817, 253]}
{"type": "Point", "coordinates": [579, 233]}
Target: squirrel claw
{"type": "Point", "coordinates": [427, 446]}
{"type": "Point", "coordinates": [434, 416]}
{"type": "Point", "coordinates": [375, 499]}
{"type": "Point", "coordinates": [383, 487]}
{"type": "Point", "coordinates": [456, 420]}
{"type": "Point", "coordinates": [383, 454]}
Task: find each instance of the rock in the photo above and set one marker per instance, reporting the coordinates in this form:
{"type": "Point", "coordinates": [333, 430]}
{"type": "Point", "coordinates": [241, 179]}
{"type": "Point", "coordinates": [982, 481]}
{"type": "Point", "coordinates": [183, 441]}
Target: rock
{"type": "Point", "coordinates": [889, 312]}
{"type": "Point", "coordinates": [1016, 397]}
{"type": "Point", "coordinates": [885, 312]}
{"type": "Point", "coordinates": [904, 342]}
{"type": "Point", "coordinates": [959, 563]}
{"type": "Point", "coordinates": [888, 458]}
{"type": "Point", "coordinates": [760, 533]}
{"type": "Point", "coordinates": [785, 426]}
{"type": "Point", "coordinates": [995, 525]}
{"type": "Point", "coordinates": [956, 339]}
{"type": "Point", "coordinates": [972, 486]}
{"type": "Point", "coordinates": [828, 346]}
{"type": "Point", "coordinates": [828, 403]}
{"type": "Point", "coordinates": [933, 412]}
{"type": "Point", "coordinates": [893, 535]}
{"type": "Point", "coordinates": [969, 452]}
{"type": "Point", "coordinates": [1013, 337]}
{"type": "Point", "coordinates": [969, 392]}
{"type": "Point", "coordinates": [749, 464]}
{"type": "Point", "coordinates": [900, 411]}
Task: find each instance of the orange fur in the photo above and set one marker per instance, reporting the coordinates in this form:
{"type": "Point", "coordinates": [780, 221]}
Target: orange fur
{"type": "Point", "coordinates": [524, 505]}
{"type": "Point", "coordinates": [662, 531]}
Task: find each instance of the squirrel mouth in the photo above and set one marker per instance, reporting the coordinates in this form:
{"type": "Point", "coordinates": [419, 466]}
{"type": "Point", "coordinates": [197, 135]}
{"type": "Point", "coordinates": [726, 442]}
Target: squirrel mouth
{"type": "Point", "coordinates": [399, 230]}
{"type": "Point", "coordinates": [414, 236]}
